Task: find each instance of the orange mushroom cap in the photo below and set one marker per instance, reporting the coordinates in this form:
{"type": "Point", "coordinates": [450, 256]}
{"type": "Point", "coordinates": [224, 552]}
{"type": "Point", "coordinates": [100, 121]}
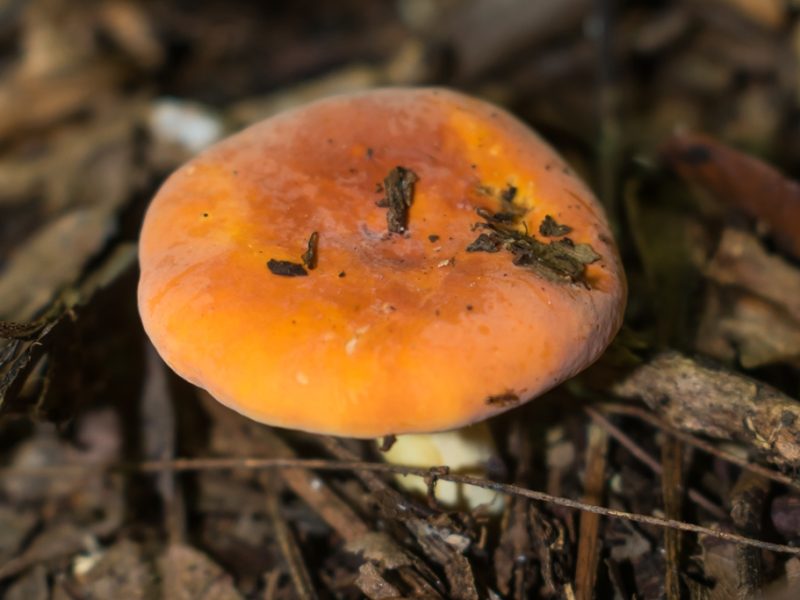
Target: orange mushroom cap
{"type": "Point", "coordinates": [391, 332]}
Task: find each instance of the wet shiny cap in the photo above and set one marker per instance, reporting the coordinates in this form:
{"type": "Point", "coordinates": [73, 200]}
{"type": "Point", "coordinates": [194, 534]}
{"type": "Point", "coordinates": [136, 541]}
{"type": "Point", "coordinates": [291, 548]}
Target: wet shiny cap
{"type": "Point", "coordinates": [395, 261]}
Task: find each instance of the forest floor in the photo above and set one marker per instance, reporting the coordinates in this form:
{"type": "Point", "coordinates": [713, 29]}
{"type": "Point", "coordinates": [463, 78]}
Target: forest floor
{"type": "Point", "coordinates": [119, 480]}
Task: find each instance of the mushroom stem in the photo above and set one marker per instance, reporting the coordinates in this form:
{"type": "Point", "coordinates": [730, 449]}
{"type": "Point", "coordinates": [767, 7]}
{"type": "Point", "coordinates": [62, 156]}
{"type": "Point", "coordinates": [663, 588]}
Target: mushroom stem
{"type": "Point", "coordinates": [467, 450]}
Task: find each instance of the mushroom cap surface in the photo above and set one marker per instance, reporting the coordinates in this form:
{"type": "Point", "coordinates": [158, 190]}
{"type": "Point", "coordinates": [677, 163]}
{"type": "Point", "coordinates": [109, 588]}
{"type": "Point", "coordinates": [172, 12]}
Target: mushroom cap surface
{"type": "Point", "coordinates": [390, 333]}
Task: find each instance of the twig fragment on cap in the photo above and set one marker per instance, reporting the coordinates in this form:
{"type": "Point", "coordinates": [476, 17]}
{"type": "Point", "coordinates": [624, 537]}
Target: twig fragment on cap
{"type": "Point", "coordinates": [310, 256]}
{"type": "Point", "coordinates": [286, 268]}
{"type": "Point", "coordinates": [399, 189]}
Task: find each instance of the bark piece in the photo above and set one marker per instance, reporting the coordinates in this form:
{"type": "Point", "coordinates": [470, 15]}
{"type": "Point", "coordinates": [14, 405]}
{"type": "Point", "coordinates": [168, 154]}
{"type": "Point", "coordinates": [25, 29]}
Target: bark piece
{"type": "Point", "coordinates": [722, 404]}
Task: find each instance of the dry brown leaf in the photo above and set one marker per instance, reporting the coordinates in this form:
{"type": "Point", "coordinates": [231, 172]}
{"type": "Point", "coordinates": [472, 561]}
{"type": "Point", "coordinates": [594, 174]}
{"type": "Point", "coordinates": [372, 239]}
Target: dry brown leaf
{"type": "Point", "coordinates": [745, 327]}
{"type": "Point", "coordinates": [458, 570]}
{"type": "Point", "coordinates": [719, 564]}
{"type": "Point", "coordinates": [31, 586]}
{"type": "Point", "coordinates": [374, 586]}
{"type": "Point", "coordinates": [50, 261]}
{"type": "Point", "coordinates": [188, 574]}
{"type": "Point", "coordinates": [742, 261]}
{"type": "Point", "coordinates": [379, 547]}
{"type": "Point", "coordinates": [15, 526]}
{"type": "Point", "coordinates": [752, 307]}
{"type": "Point", "coordinates": [121, 572]}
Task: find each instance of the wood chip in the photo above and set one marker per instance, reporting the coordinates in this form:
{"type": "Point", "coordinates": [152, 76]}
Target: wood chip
{"type": "Point", "coordinates": [719, 403]}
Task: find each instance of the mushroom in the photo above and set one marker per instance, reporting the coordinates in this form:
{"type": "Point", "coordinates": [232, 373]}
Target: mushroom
{"type": "Point", "coordinates": [398, 261]}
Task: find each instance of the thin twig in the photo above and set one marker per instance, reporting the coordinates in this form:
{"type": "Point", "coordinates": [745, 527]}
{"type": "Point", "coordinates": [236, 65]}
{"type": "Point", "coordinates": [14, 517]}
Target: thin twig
{"type": "Point", "coordinates": [322, 499]}
{"type": "Point", "coordinates": [208, 464]}
{"type": "Point", "coordinates": [159, 439]}
{"type": "Point", "coordinates": [271, 584]}
{"type": "Point", "coordinates": [708, 447]}
{"type": "Point", "coordinates": [748, 500]}
{"type": "Point", "coordinates": [589, 545]}
{"type": "Point", "coordinates": [638, 452]}
{"type": "Point", "coordinates": [290, 550]}
{"type": "Point", "coordinates": [672, 492]}
{"type": "Point", "coordinates": [418, 577]}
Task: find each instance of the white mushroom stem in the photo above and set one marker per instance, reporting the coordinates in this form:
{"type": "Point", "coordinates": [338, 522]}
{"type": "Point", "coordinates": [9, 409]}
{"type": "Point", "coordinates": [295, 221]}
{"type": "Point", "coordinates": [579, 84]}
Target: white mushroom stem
{"type": "Point", "coordinates": [467, 451]}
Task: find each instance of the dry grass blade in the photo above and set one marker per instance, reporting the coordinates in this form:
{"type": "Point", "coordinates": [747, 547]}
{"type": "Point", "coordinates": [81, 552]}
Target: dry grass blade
{"type": "Point", "coordinates": [589, 544]}
{"type": "Point", "coordinates": [291, 551]}
{"type": "Point", "coordinates": [748, 500]}
{"type": "Point", "coordinates": [159, 439]}
{"type": "Point", "coordinates": [208, 464]}
{"type": "Point", "coordinates": [631, 446]}
{"type": "Point", "coordinates": [335, 511]}
{"type": "Point", "coordinates": [672, 491]}
{"type": "Point", "coordinates": [391, 503]}
{"type": "Point", "coordinates": [271, 584]}
{"type": "Point", "coordinates": [708, 447]}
